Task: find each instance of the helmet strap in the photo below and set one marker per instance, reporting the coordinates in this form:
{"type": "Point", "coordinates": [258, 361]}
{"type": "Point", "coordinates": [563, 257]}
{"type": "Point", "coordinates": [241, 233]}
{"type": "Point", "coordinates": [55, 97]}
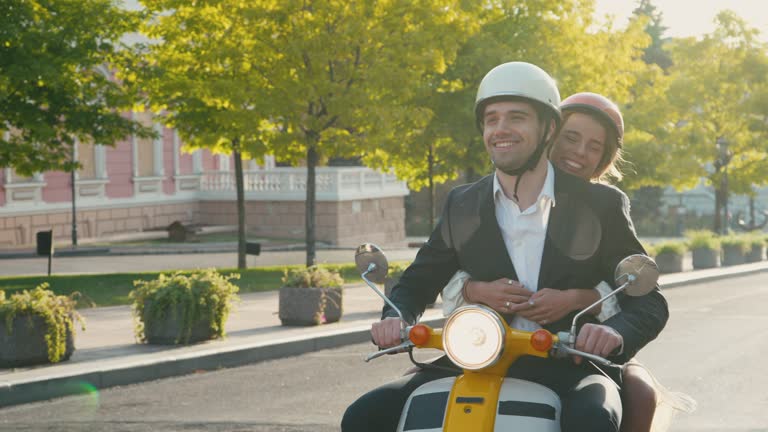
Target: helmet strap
{"type": "Point", "coordinates": [530, 164]}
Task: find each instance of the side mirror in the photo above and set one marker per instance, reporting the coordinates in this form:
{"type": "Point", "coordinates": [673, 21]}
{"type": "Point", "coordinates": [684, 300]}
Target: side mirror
{"type": "Point", "coordinates": [635, 275]}
{"type": "Point", "coordinates": [367, 254]}
{"type": "Point", "coordinates": [373, 267]}
{"type": "Point", "coordinates": [639, 273]}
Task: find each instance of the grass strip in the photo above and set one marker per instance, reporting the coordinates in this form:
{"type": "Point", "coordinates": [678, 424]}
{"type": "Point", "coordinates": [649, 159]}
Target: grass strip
{"type": "Point", "coordinates": [111, 289]}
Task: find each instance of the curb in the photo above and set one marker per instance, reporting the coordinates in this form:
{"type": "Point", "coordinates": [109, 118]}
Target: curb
{"type": "Point", "coordinates": [167, 365]}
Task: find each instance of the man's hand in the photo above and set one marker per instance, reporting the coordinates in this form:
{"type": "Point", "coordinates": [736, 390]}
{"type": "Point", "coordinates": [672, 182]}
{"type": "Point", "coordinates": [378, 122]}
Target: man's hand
{"type": "Point", "coordinates": [597, 339]}
{"type": "Point", "coordinates": [386, 333]}
{"type": "Point", "coordinates": [502, 295]}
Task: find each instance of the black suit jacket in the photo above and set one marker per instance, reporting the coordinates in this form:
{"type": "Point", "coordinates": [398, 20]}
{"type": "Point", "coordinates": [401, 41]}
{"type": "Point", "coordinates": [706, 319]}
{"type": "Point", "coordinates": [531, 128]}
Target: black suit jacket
{"type": "Point", "coordinates": [588, 233]}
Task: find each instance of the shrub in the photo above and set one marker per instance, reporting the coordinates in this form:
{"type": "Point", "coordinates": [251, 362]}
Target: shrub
{"type": "Point", "coordinates": [57, 311]}
{"type": "Point", "coordinates": [312, 277]}
{"type": "Point", "coordinates": [671, 247]}
{"type": "Point", "coordinates": [756, 240]}
{"type": "Point", "coordinates": [203, 294]}
{"type": "Point", "coordinates": [396, 270]}
{"type": "Point", "coordinates": [740, 242]}
{"type": "Point", "coordinates": [702, 239]}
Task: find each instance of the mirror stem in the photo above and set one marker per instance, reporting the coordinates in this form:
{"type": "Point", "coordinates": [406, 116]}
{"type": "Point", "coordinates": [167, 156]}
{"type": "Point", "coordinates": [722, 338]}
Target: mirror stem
{"type": "Point", "coordinates": [372, 267]}
{"type": "Point", "coordinates": [572, 338]}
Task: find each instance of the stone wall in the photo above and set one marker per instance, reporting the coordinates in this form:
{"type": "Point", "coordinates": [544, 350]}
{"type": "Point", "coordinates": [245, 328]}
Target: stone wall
{"type": "Point", "coordinates": [340, 223]}
{"type": "Point", "coordinates": [19, 230]}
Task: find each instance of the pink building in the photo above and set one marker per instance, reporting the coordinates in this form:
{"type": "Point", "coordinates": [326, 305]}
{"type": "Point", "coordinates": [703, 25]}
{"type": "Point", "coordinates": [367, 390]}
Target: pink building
{"type": "Point", "coordinates": [146, 184]}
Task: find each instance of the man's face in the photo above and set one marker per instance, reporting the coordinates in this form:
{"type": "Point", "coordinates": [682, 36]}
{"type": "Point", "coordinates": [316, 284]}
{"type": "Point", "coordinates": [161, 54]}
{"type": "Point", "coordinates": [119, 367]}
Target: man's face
{"type": "Point", "coordinates": [511, 132]}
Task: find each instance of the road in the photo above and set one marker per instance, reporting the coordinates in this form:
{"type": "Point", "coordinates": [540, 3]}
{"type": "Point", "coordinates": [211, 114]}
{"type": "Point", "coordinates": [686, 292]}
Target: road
{"type": "Point", "coordinates": [714, 348]}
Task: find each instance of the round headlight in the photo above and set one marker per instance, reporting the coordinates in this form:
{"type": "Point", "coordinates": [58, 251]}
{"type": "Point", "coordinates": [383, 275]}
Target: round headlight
{"type": "Point", "coordinates": [473, 337]}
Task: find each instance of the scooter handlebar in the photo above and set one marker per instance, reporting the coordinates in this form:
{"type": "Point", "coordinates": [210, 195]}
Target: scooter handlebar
{"type": "Point", "coordinates": [561, 350]}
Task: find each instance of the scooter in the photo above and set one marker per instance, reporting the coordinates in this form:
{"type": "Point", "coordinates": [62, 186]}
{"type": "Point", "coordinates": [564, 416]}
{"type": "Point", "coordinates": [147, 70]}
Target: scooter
{"type": "Point", "coordinates": [479, 342]}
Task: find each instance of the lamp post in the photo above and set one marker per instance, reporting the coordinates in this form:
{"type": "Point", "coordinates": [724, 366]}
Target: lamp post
{"type": "Point", "coordinates": [681, 212]}
{"type": "Point", "coordinates": [724, 158]}
{"type": "Point", "coordinates": [74, 195]}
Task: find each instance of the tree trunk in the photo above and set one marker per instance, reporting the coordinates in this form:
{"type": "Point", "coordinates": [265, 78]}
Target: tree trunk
{"type": "Point", "coordinates": [240, 204]}
{"type": "Point", "coordinates": [717, 228]}
{"type": "Point", "coordinates": [431, 174]}
{"type": "Point", "coordinates": [311, 201]}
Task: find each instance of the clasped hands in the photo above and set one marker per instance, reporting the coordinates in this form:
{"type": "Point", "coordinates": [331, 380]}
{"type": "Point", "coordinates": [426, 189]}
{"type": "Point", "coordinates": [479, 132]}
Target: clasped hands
{"type": "Point", "coordinates": [545, 306]}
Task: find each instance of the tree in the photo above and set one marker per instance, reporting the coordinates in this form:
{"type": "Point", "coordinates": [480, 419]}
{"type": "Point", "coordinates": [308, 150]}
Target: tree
{"type": "Point", "coordinates": [55, 82]}
{"type": "Point", "coordinates": [655, 52]}
{"type": "Point", "coordinates": [716, 90]}
{"type": "Point", "coordinates": [343, 75]}
{"type": "Point", "coordinates": [561, 37]}
{"type": "Point", "coordinates": [202, 75]}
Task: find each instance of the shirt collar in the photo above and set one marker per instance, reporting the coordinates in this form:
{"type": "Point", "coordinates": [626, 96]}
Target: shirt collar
{"type": "Point", "coordinates": [547, 192]}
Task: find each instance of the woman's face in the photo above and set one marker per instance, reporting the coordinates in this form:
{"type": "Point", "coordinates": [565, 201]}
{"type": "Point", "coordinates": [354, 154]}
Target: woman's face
{"type": "Point", "coordinates": [579, 147]}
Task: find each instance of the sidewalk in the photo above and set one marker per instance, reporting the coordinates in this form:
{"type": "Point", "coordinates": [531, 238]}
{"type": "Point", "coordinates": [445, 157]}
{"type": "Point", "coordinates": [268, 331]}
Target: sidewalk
{"type": "Point", "coordinates": [107, 354]}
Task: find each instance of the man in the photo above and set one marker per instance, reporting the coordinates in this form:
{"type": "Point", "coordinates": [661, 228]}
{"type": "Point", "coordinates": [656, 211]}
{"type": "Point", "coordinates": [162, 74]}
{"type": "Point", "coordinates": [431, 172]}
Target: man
{"type": "Point", "coordinates": [525, 226]}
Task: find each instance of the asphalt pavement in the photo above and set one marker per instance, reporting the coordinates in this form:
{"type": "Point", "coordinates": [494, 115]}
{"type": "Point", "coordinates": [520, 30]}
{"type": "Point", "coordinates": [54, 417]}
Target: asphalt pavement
{"type": "Point", "coordinates": [108, 355]}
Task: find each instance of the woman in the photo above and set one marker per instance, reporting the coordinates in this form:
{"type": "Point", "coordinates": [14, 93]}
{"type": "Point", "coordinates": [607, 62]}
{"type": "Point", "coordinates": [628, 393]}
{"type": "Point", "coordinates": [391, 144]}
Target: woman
{"type": "Point", "coordinates": [588, 145]}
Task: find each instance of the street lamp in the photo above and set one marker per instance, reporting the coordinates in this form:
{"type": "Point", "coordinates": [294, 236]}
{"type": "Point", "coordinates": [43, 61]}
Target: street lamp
{"type": "Point", "coordinates": [74, 195]}
{"type": "Point", "coordinates": [723, 159]}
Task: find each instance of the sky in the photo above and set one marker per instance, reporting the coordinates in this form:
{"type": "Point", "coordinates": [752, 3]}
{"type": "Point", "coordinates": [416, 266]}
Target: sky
{"type": "Point", "coordinates": [691, 17]}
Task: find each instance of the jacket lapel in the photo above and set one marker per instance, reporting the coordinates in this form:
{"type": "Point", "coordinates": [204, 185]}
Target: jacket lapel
{"type": "Point", "coordinates": [573, 231]}
{"type": "Point", "coordinates": [557, 227]}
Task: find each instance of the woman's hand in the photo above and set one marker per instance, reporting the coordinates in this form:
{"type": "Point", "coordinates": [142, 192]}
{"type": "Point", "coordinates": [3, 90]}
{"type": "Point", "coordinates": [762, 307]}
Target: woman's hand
{"type": "Point", "coordinates": [502, 295]}
{"type": "Point", "coordinates": [548, 305]}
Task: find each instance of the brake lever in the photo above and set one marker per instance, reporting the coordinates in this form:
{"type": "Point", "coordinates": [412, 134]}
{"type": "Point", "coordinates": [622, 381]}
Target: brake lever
{"type": "Point", "coordinates": [405, 346]}
{"type": "Point", "coordinates": [562, 349]}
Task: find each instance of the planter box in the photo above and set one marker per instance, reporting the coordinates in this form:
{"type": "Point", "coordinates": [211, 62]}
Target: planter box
{"type": "Point", "coordinates": [733, 255]}
{"type": "Point", "coordinates": [25, 345]}
{"type": "Point", "coordinates": [168, 330]}
{"type": "Point", "coordinates": [704, 258]}
{"type": "Point", "coordinates": [310, 306]}
{"type": "Point", "coordinates": [756, 254]}
{"type": "Point", "coordinates": [670, 262]}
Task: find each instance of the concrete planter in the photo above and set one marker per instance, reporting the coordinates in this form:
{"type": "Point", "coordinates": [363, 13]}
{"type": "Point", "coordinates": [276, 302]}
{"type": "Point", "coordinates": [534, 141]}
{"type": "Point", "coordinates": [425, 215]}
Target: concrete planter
{"type": "Point", "coordinates": [756, 254]}
{"type": "Point", "coordinates": [733, 255]}
{"type": "Point", "coordinates": [309, 306]}
{"type": "Point", "coordinates": [25, 344]}
{"type": "Point", "coordinates": [704, 258]}
{"type": "Point", "coordinates": [169, 328]}
{"type": "Point", "coordinates": [670, 262]}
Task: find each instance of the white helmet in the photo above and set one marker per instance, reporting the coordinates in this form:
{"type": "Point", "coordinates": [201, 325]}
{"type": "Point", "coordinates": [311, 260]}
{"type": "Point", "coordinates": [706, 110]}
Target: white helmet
{"type": "Point", "coordinates": [518, 79]}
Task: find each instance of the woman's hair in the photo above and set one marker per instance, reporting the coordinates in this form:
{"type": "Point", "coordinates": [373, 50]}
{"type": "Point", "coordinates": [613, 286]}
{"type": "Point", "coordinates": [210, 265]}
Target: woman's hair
{"type": "Point", "coordinates": [609, 167]}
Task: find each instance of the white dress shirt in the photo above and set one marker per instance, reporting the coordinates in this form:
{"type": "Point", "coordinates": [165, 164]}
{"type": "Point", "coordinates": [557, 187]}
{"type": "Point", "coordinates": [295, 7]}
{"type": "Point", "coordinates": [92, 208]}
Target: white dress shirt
{"type": "Point", "coordinates": [524, 232]}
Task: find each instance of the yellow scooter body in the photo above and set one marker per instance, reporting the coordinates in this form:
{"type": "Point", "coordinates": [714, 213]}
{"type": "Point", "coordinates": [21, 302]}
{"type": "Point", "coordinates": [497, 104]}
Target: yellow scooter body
{"type": "Point", "coordinates": [484, 400]}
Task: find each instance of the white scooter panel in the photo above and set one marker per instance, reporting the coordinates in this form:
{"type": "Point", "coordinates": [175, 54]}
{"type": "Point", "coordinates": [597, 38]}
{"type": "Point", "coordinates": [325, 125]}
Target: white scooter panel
{"type": "Point", "coordinates": [523, 405]}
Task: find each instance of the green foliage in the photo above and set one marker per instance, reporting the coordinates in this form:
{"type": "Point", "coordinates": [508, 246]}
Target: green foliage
{"type": "Point", "coordinates": [113, 289]}
{"type": "Point", "coordinates": [740, 242]}
{"type": "Point", "coordinates": [396, 270]}
{"type": "Point", "coordinates": [57, 311]}
{"type": "Point", "coordinates": [702, 239]}
{"type": "Point", "coordinates": [312, 277]}
{"type": "Point", "coordinates": [55, 83]}
{"type": "Point", "coordinates": [201, 295]}
{"type": "Point", "coordinates": [756, 239]}
{"type": "Point", "coordinates": [561, 37]}
{"type": "Point", "coordinates": [716, 82]}
{"type": "Point", "coordinates": [671, 247]}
